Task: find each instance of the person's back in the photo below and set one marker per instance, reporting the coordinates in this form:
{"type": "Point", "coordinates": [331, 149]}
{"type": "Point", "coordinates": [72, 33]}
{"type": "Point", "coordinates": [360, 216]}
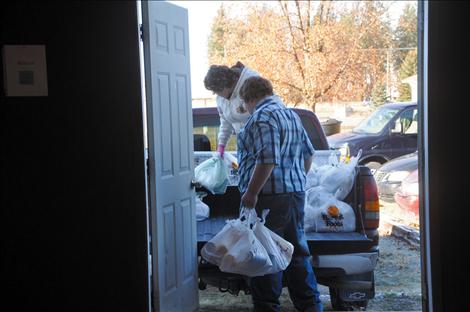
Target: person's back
{"type": "Point", "coordinates": [289, 140]}
{"type": "Point", "coordinates": [274, 155]}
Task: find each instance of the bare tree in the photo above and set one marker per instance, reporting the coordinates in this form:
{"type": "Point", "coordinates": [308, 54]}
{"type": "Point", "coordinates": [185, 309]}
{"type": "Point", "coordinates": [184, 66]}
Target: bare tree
{"type": "Point", "coordinates": [312, 52]}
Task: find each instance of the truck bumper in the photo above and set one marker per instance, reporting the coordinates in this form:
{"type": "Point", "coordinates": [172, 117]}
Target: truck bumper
{"type": "Point", "coordinates": [350, 264]}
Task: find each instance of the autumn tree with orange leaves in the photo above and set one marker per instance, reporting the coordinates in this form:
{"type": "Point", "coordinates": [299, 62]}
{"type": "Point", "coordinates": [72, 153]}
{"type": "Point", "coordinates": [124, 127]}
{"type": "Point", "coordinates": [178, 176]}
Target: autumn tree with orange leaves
{"type": "Point", "coordinates": [311, 51]}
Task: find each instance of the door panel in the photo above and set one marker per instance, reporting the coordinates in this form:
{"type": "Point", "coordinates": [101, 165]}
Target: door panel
{"type": "Point", "coordinates": [172, 206]}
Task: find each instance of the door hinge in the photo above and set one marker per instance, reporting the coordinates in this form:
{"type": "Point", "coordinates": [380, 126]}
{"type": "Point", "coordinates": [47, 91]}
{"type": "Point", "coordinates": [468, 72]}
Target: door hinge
{"type": "Point", "coordinates": [141, 32]}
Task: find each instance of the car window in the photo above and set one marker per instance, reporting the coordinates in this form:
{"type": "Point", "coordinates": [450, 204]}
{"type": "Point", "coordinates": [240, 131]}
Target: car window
{"type": "Point", "coordinates": [408, 121]}
{"type": "Point", "coordinates": [206, 127]}
{"type": "Point", "coordinates": [411, 122]}
{"type": "Point", "coordinates": [376, 121]}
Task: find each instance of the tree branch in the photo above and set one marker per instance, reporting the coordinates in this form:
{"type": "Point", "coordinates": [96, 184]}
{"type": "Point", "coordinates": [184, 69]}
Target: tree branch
{"type": "Point", "coordinates": [296, 56]}
{"type": "Point", "coordinates": [287, 84]}
{"type": "Point", "coordinates": [309, 24]}
{"type": "Point", "coordinates": [299, 14]}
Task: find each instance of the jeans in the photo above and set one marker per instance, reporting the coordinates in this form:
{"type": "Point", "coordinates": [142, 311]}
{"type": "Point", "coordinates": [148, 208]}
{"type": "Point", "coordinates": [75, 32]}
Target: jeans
{"type": "Point", "coordinates": [286, 218]}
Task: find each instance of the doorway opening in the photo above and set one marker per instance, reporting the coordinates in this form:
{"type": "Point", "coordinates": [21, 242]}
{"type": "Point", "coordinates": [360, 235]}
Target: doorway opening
{"type": "Point", "coordinates": [365, 97]}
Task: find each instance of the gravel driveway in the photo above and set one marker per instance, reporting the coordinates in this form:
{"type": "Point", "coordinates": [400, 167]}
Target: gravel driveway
{"type": "Point", "coordinates": [398, 284]}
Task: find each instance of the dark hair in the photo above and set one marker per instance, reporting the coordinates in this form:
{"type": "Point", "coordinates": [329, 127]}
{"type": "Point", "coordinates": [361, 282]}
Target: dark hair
{"type": "Point", "coordinates": [220, 77]}
{"type": "Point", "coordinates": [255, 88]}
{"type": "Point", "coordinates": [238, 65]}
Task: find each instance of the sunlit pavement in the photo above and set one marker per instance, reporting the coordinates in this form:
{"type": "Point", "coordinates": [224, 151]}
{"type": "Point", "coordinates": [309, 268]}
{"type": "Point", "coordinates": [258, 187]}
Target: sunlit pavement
{"type": "Point", "coordinates": [401, 224]}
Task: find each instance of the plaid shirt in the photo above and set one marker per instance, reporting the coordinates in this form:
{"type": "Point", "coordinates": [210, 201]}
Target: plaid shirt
{"type": "Point", "coordinates": [275, 135]}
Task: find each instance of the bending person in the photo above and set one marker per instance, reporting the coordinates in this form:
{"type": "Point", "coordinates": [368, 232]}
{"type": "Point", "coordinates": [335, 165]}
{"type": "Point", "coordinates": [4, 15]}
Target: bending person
{"type": "Point", "coordinates": [226, 83]}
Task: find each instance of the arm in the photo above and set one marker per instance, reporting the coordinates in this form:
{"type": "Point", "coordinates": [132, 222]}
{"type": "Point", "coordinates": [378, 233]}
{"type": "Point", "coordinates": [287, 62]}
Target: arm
{"type": "Point", "coordinates": [260, 175]}
{"type": "Point", "coordinates": [308, 152]}
{"type": "Point", "coordinates": [226, 129]}
{"type": "Point", "coordinates": [308, 163]}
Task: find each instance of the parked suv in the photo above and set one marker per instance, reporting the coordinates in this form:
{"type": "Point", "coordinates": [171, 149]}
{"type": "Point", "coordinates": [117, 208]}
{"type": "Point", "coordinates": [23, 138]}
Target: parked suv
{"type": "Point", "coordinates": [389, 132]}
{"type": "Point", "coordinates": [343, 261]}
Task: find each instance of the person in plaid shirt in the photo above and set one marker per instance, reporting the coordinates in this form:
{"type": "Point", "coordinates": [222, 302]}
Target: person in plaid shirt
{"type": "Point", "coordinates": [274, 155]}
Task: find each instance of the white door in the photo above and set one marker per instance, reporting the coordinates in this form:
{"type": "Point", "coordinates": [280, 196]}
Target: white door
{"type": "Point", "coordinates": [172, 212]}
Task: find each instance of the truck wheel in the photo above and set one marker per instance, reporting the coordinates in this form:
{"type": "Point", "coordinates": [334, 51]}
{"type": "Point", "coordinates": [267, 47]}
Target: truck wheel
{"type": "Point", "coordinates": [340, 305]}
{"type": "Point", "coordinates": [202, 285]}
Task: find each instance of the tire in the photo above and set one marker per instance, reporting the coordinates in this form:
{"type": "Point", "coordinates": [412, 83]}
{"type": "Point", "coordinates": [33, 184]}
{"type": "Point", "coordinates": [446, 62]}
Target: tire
{"type": "Point", "coordinates": [340, 305]}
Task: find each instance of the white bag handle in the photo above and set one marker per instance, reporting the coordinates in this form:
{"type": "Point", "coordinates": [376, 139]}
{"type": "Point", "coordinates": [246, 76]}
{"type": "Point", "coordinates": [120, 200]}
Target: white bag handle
{"type": "Point", "coordinates": [264, 214]}
{"type": "Point", "coordinates": [250, 216]}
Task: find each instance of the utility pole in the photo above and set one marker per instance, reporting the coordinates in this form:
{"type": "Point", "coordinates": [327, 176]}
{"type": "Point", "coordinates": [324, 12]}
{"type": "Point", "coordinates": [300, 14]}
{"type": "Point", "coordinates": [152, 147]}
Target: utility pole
{"type": "Point", "coordinates": [388, 70]}
{"type": "Point", "coordinates": [389, 95]}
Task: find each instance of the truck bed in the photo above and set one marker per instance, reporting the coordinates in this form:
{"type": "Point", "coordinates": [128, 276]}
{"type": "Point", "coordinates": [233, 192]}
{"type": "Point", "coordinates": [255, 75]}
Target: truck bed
{"type": "Point", "coordinates": [226, 206]}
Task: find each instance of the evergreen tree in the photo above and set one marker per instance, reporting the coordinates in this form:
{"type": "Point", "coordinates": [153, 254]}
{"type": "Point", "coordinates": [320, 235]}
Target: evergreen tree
{"type": "Point", "coordinates": [379, 95]}
{"type": "Point", "coordinates": [216, 40]}
{"type": "Point", "coordinates": [408, 68]}
{"type": "Point", "coordinates": [406, 33]}
{"type": "Point", "coordinates": [404, 90]}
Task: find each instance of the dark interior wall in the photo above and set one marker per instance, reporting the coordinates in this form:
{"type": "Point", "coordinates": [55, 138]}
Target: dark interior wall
{"type": "Point", "coordinates": [448, 120]}
{"type": "Point", "coordinates": [73, 216]}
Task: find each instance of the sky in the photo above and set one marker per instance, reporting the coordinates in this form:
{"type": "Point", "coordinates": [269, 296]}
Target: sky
{"type": "Point", "coordinates": [200, 15]}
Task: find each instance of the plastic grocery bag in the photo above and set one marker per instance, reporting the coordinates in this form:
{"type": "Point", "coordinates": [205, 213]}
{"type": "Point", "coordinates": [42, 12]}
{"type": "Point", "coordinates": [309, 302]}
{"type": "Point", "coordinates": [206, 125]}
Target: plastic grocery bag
{"type": "Point", "coordinates": [212, 174]}
{"type": "Point", "coordinates": [313, 178]}
{"type": "Point", "coordinates": [331, 216]}
{"type": "Point", "coordinates": [279, 250]}
{"type": "Point", "coordinates": [231, 160]}
{"type": "Point", "coordinates": [315, 198]}
{"type": "Point", "coordinates": [339, 179]}
{"type": "Point", "coordinates": [202, 209]}
{"type": "Point", "coordinates": [247, 256]}
{"type": "Point", "coordinates": [215, 249]}
{"type": "Point", "coordinates": [316, 172]}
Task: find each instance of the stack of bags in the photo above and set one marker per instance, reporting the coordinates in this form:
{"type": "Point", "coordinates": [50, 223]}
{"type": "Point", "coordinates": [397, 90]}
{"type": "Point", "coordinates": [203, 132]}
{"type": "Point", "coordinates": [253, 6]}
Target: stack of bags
{"type": "Point", "coordinates": [326, 187]}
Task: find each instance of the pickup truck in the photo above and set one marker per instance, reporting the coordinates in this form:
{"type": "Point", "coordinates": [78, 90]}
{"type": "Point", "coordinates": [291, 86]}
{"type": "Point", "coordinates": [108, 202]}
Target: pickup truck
{"type": "Point", "coordinates": [343, 261]}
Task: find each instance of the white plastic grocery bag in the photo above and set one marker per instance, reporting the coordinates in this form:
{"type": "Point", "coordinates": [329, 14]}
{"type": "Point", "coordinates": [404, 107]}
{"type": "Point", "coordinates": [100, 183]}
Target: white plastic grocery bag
{"type": "Point", "coordinates": [202, 209]}
{"type": "Point", "coordinates": [235, 249]}
{"type": "Point", "coordinates": [215, 249]}
{"type": "Point", "coordinates": [212, 174]}
{"type": "Point", "coordinates": [315, 198]}
{"type": "Point", "coordinates": [339, 179]}
{"type": "Point", "coordinates": [279, 250]}
{"type": "Point", "coordinates": [231, 161]}
{"type": "Point", "coordinates": [332, 216]}
{"type": "Point", "coordinates": [247, 256]}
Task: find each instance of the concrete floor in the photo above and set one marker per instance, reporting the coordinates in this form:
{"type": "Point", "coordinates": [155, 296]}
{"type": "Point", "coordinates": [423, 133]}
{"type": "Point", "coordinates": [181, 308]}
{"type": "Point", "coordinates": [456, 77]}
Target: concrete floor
{"type": "Point", "coordinates": [211, 300]}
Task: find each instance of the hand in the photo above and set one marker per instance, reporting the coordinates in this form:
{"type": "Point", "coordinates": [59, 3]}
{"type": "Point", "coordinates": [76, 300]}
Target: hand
{"type": "Point", "coordinates": [221, 150]}
{"type": "Point", "coordinates": [249, 200]}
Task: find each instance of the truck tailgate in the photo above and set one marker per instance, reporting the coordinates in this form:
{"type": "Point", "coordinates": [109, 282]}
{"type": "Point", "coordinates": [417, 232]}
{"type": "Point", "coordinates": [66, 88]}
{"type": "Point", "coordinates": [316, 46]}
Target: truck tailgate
{"type": "Point", "coordinates": [318, 243]}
